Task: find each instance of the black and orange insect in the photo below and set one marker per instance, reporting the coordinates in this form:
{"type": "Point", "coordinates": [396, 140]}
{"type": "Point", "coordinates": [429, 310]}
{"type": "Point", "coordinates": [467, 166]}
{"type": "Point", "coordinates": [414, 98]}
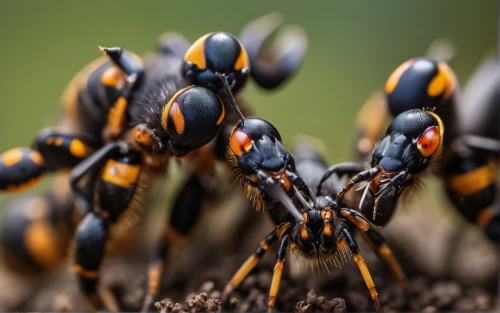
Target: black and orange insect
{"type": "Point", "coordinates": [124, 119]}
{"type": "Point", "coordinates": [469, 161]}
{"type": "Point", "coordinates": [412, 143]}
{"type": "Point", "coordinates": [205, 62]}
{"type": "Point", "coordinates": [321, 231]}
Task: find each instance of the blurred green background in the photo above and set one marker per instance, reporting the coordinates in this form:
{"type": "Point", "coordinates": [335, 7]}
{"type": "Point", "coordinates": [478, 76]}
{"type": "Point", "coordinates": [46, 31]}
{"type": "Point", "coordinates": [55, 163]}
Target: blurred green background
{"type": "Point", "coordinates": [353, 47]}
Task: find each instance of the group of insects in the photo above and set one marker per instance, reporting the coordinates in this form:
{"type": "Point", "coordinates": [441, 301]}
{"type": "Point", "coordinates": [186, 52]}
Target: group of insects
{"type": "Point", "coordinates": [126, 117]}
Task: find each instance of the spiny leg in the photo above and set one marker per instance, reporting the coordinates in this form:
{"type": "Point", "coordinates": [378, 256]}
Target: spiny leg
{"type": "Point", "coordinates": [360, 262]}
{"type": "Point", "coordinates": [253, 260]}
{"type": "Point", "coordinates": [278, 270]}
{"type": "Point", "coordinates": [286, 52]}
{"type": "Point", "coordinates": [379, 244]}
{"type": "Point", "coordinates": [185, 213]}
{"type": "Point", "coordinates": [342, 169]}
{"type": "Point", "coordinates": [363, 176]}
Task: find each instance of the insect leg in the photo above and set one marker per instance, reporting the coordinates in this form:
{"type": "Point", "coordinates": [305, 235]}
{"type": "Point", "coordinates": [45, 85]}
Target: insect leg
{"type": "Point", "coordinates": [378, 244]}
{"type": "Point", "coordinates": [116, 189]}
{"type": "Point", "coordinates": [287, 50]}
{"type": "Point", "coordinates": [253, 260]}
{"type": "Point", "coordinates": [21, 168]}
{"type": "Point", "coordinates": [341, 169]}
{"type": "Point", "coordinates": [278, 270]}
{"type": "Point", "coordinates": [185, 213]}
{"type": "Point", "coordinates": [358, 258]}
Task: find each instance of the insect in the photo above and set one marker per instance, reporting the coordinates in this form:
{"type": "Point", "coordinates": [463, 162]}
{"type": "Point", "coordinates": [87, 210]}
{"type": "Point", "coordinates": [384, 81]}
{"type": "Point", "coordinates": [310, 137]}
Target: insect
{"type": "Point", "coordinates": [203, 64]}
{"type": "Point", "coordinates": [469, 162]}
{"type": "Point", "coordinates": [471, 175]}
{"type": "Point", "coordinates": [36, 230]}
{"type": "Point", "coordinates": [128, 117]}
{"type": "Point", "coordinates": [322, 230]}
{"type": "Point", "coordinates": [412, 143]}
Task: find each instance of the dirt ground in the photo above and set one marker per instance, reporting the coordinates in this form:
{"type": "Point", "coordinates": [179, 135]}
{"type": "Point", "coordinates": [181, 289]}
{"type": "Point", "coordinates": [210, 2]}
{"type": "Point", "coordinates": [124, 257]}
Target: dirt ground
{"type": "Point", "coordinates": [450, 268]}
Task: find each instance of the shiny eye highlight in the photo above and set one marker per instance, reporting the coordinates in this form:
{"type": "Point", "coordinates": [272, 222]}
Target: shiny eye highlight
{"type": "Point", "coordinates": [240, 142]}
{"type": "Point", "coordinates": [429, 141]}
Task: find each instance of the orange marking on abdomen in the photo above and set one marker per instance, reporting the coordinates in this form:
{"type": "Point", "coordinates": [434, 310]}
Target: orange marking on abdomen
{"type": "Point", "coordinates": [37, 158]}
{"type": "Point", "coordinates": [12, 156]}
{"type": "Point", "coordinates": [79, 149]}
{"type": "Point", "coordinates": [42, 242]}
{"type": "Point", "coordinates": [469, 183]}
{"type": "Point", "coordinates": [23, 186]}
{"type": "Point", "coordinates": [120, 174]}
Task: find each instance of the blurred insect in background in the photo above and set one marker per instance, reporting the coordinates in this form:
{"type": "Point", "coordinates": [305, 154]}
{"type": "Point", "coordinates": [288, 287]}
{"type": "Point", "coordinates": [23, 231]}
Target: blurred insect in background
{"type": "Point", "coordinates": [471, 146]}
{"type": "Point", "coordinates": [322, 230]}
{"type": "Point", "coordinates": [123, 120]}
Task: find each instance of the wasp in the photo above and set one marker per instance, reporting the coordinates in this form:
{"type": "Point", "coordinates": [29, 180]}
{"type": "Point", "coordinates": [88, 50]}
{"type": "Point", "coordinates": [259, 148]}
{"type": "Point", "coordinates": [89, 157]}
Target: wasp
{"type": "Point", "coordinates": [223, 64]}
{"type": "Point", "coordinates": [127, 117]}
{"type": "Point", "coordinates": [413, 142]}
{"type": "Point", "coordinates": [469, 161]}
{"type": "Point", "coordinates": [321, 230]}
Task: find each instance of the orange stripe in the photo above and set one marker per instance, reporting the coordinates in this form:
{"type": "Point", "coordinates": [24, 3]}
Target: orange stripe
{"type": "Point", "coordinates": [469, 183]}
{"type": "Point", "coordinates": [393, 80]}
{"type": "Point", "coordinates": [366, 275]}
{"type": "Point", "coordinates": [84, 273]}
{"type": "Point", "coordinates": [484, 217]}
{"type": "Point", "coordinates": [175, 237]}
{"type": "Point", "coordinates": [196, 53]}
{"type": "Point", "coordinates": [275, 284]}
{"type": "Point", "coordinates": [42, 242]}
{"type": "Point", "coordinates": [242, 60]}
{"type": "Point", "coordinates": [223, 114]}
{"type": "Point", "coordinates": [120, 174]}
{"type": "Point", "coordinates": [12, 156]}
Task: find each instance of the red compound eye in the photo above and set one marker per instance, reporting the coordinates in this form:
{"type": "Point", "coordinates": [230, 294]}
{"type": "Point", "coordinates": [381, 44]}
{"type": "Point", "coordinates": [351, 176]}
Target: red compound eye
{"type": "Point", "coordinates": [429, 141]}
{"type": "Point", "coordinates": [240, 142]}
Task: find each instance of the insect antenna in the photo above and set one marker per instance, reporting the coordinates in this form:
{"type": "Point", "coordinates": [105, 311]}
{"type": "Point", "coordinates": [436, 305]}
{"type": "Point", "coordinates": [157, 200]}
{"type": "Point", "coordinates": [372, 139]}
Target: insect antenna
{"type": "Point", "coordinates": [229, 95]}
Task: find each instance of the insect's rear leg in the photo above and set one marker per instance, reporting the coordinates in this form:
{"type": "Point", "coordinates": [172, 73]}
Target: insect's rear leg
{"type": "Point", "coordinates": [270, 66]}
{"type": "Point", "coordinates": [185, 213]}
{"type": "Point", "coordinates": [116, 188]}
{"type": "Point", "coordinates": [21, 168]}
{"type": "Point", "coordinates": [36, 230]}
